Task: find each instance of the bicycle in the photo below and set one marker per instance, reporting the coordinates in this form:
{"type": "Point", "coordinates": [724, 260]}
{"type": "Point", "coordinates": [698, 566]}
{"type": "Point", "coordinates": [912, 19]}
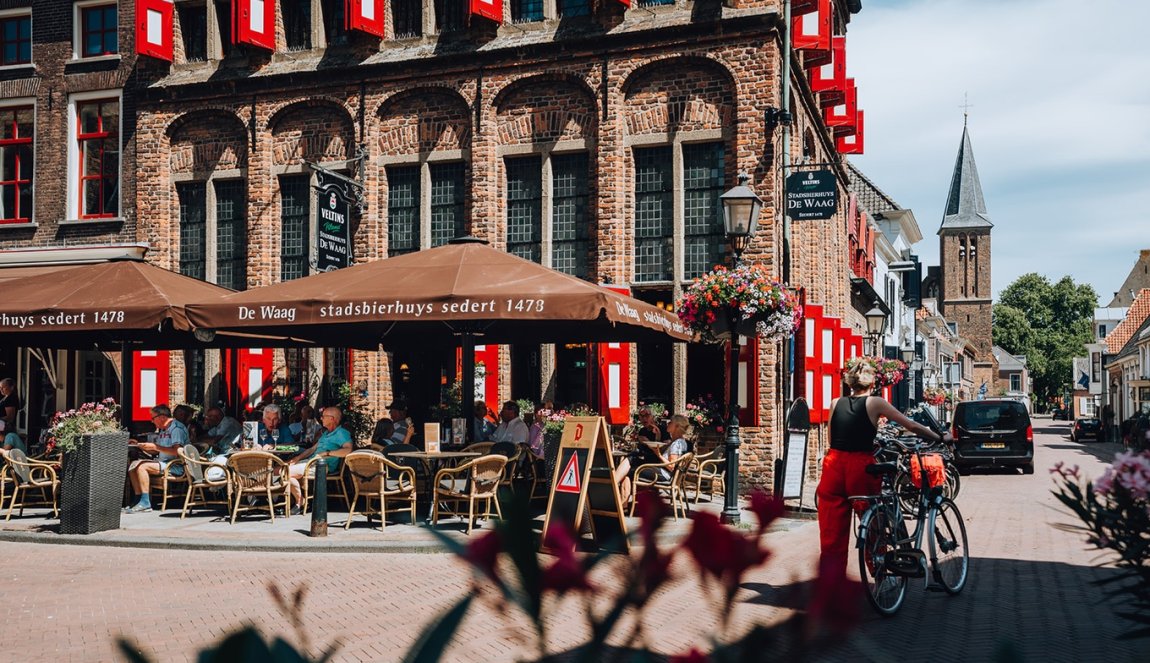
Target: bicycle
{"type": "Point", "coordinates": [888, 555]}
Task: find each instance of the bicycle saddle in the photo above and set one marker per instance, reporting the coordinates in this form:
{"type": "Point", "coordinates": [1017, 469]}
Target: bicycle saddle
{"type": "Point", "coordinates": [879, 469]}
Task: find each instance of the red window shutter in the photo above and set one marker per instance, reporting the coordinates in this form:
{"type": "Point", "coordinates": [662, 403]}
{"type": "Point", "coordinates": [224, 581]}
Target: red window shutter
{"type": "Point", "coordinates": [488, 355]}
{"type": "Point", "coordinates": [814, 362]}
{"type": "Point", "coordinates": [842, 353]}
{"type": "Point", "coordinates": [844, 113]}
{"type": "Point", "coordinates": [800, 7]}
{"type": "Point", "coordinates": [366, 16]}
{"type": "Point", "coordinates": [254, 22]}
{"type": "Point", "coordinates": [830, 78]}
{"type": "Point", "coordinates": [811, 32]}
{"type": "Point", "coordinates": [748, 397]}
{"type": "Point", "coordinates": [150, 382]}
{"type": "Point", "coordinates": [614, 363]}
{"type": "Point", "coordinates": [830, 370]}
{"type": "Point", "coordinates": [255, 376]}
{"type": "Point", "coordinates": [853, 143]}
{"type": "Point", "coordinates": [154, 32]}
{"type": "Point", "coordinates": [489, 9]}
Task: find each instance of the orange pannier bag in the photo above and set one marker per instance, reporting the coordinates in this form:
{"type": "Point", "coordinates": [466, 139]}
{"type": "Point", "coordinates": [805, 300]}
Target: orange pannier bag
{"type": "Point", "coordinates": [935, 470]}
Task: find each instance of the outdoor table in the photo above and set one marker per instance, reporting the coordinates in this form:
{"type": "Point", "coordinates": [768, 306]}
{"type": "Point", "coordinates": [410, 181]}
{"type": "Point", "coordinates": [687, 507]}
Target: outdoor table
{"type": "Point", "coordinates": [432, 461]}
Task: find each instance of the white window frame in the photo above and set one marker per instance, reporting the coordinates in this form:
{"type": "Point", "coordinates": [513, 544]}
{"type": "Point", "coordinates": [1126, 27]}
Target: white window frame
{"type": "Point", "coordinates": [27, 101]}
{"type": "Point", "coordinates": [15, 13]}
{"type": "Point", "coordinates": [73, 215]}
{"type": "Point", "coordinates": [78, 31]}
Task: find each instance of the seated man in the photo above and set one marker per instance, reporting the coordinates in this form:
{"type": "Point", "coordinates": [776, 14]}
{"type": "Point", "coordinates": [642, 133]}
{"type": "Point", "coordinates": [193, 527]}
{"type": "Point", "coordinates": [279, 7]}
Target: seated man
{"type": "Point", "coordinates": [223, 432]}
{"type": "Point", "coordinates": [512, 428]}
{"type": "Point", "coordinates": [483, 428]}
{"type": "Point", "coordinates": [381, 436]}
{"type": "Point", "coordinates": [334, 443]}
{"type": "Point", "coordinates": [402, 425]}
{"type": "Point", "coordinates": [273, 430]}
{"type": "Point", "coordinates": [171, 437]}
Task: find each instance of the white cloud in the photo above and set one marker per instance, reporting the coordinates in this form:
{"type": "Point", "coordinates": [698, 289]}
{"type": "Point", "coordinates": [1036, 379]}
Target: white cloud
{"type": "Point", "coordinates": [1060, 110]}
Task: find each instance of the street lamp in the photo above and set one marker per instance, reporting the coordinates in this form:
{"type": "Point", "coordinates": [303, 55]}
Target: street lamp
{"type": "Point", "coordinates": [875, 326]}
{"type": "Point", "coordinates": [908, 355]}
{"type": "Point", "coordinates": [740, 218]}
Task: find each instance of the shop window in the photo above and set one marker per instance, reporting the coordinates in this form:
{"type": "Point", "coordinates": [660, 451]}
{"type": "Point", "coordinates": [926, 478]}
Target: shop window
{"type": "Point", "coordinates": [96, 29]}
{"type": "Point", "coordinates": [402, 210]}
{"type": "Point", "coordinates": [570, 224]}
{"type": "Point", "coordinates": [15, 38]}
{"type": "Point", "coordinates": [297, 368]}
{"type": "Point", "coordinates": [526, 11]}
{"type": "Point", "coordinates": [447, 192]}
{"type": "Point", "coordinates": [16, 150]}
{"type": "Point", "coordinates": [653, 214]}
{"type": "Point", "coordinates": [297, 23]}
{"type": "Point", "coordinates": [572, 8]}
{"type": "Point", "coordinates": [450, 15]}
{"type": "Point", "coordinates": [704, 237]}
{"type": "Point", "coordinates": [335, 23]}
{"type": "Point", "coordinates": [525, 207]}
{"type": "Point", "coordinates": [231, 234]}
{"type": "Point", "coordinates": [194, 31]}
{"type": "Point", "coordinates": [193, 229]}
{"type": "Point", "coordinates": [295, 194]}
{"type": "Point", "coordinates": [407, 18]}
{"type": "Point", "coordinates": [97, 378]}
{"type": "Point", "coordinates": [98, 139]}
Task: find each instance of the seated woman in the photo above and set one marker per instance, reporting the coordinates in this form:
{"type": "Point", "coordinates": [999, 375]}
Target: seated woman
{"type": "Point", "coordinates": [650, 430]}
{"type": "Point", "coordinates": [381, 436]}
{"type": "Point", "coordinates": [645, 454]}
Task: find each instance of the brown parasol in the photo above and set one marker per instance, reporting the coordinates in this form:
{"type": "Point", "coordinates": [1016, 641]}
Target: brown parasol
{"type": "Point", "coordinates": [464, 287]}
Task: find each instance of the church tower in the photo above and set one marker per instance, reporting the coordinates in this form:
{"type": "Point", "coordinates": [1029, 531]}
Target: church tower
{"type": "Point", "coordinates": [965, 295]}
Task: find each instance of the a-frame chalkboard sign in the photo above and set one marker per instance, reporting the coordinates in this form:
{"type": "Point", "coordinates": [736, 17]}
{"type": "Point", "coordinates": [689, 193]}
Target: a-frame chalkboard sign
{"type": "Point", "coordinates": [583, 490]}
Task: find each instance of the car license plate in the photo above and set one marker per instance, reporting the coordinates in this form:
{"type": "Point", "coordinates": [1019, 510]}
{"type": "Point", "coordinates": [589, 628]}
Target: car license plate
{"type": "Point", "coordinates": [993, 445]}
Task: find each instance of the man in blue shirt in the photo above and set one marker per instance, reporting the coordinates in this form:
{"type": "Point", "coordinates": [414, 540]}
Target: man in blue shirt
{"type": "Point", "coordinates": [334, 443]}
{"type": "Point", "coordinates": [273, 430]}
{"type": "Point", "coordinates": [171, 436]}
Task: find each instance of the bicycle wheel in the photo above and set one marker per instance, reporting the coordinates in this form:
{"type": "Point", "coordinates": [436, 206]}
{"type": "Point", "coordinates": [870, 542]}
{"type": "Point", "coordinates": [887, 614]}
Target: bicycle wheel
{"type": "Point", "coordinates": [877, 543]}
{"type": "Point", "coordinates": [907, 494]}
{"type": "Point", "coordinates": [950, 556]}
{"type": "Point", "coordinates": [953, 482]}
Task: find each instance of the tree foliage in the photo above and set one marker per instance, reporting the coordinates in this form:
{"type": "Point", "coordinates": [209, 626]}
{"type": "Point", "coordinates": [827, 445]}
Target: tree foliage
{"type": "Point", "coordinates": [1047, 322]}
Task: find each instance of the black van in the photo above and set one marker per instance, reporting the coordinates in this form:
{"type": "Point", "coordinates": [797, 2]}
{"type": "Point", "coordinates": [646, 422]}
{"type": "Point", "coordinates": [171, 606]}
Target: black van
{"type": "Point", "coordinates": [993, 432]}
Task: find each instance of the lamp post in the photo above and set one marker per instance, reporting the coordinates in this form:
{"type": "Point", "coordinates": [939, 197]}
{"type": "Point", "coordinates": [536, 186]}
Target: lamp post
{"type": "Point", "coordinates": [908, 356]}
{"type": "Point", "coordinates": [741, 209]}
{"type": "Point", "coordinates": [875, 326]}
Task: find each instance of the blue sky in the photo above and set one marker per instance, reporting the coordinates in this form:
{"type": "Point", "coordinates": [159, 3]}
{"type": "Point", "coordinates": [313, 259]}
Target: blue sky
{"type": "Point", "coordinates": [1059, 122]}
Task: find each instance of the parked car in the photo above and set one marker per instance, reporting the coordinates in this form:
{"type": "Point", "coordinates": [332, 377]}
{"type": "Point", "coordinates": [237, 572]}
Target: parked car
{"type": "Point", "coordinates": [1086, 427]}
{"type": "Point", "coordinates": [993, 432]}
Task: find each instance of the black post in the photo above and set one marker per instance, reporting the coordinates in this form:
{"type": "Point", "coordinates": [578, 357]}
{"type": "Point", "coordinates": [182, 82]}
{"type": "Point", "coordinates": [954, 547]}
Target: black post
{"type": "Point", "coordinates": [731, 487]}
{"type": "Point", "coordinates": [467, 384]}
{"type": "Point", "coordinates": [319, 500]}
{"type": "Point", "coordinates": [126, 395]}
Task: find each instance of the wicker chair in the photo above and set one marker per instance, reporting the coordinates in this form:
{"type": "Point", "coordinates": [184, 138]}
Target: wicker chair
{"type": "Point", "coordinates": [477, 479]}
{"type": "Point", "coordinates": [258, 474]}
{"type": "Point", "coordinates": [374, 476]}
{"type": "Point", "coordinates": [479, 447]}
{"type": "Point", "coordinates": [165, 482]}
{"type": "Point", "coordinates": [708, 470]}
{"type": "Point", "coordinates": [29, 475]}
{"type": "Point", "coordinates": [650, 476]}
{"type": "Point", "coordinates": [514, 453]}
{"type": "Point", "coordinates": [196, 471]}
{"type": "Point", "coordinates": [335, 485]}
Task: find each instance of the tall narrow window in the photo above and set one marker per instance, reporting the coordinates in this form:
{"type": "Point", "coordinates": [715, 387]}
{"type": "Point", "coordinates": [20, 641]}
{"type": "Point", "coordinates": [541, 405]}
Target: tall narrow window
{"type": "Point", "coordinates": [98, 30]}
{"type": "Point", "coordinates": [16, 128]}
{"type": "Point", "coordinates": [15, 40]}
{"type": "Point", "coordinates": [297, 23]}
{"type": "Point", "coordinates": [526, 11]}
{"type": "Point", "coordinates": [407, 18]}
{"type": "Point", "coordinates": [402, 210]}
{"type": "Point", "coordinates": [224, 28]}
{"type": "Point", "coordinates": [193, 229]}
{"type": "Point", "coordinates": [653, 214]}
{"type": "Point", "coordinates": [194, 31]}
{"type": "Point", "coordinates": [703, 232]}
{"type": "Point", "coordinates": [335, 23]}
{"type": "Point", "coordinates": [446, 202]}
{"type": "Point", "coordinates": [525, 207]}
{"type": "Point", "coordinates": [295, 192]}
{"type": "Point", "coordinates": [571, 8]}
{"type": "Point", "coordinates": [196, 376]}
{"type": "Point", "coordinates": [450, 15]}
{"type": "Point", "coordinates": [231, 234]}
{"type": "Point", "coordinates": [569, 220]}
{"type": "Point", "coordinates": [98, 134]}
{"type": "Point", "coordinates": [297, 369]}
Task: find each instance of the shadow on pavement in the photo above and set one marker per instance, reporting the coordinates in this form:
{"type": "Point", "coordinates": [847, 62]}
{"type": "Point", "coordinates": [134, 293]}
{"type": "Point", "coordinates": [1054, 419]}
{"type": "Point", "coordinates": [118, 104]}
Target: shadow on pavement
{"type": "Point", "coordinates": [1101, 451]}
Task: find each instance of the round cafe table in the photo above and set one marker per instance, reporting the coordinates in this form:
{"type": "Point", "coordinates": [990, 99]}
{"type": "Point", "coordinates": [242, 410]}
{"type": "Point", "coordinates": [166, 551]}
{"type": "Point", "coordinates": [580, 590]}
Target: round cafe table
{"type": "Point", "coordinates": [432, 461]}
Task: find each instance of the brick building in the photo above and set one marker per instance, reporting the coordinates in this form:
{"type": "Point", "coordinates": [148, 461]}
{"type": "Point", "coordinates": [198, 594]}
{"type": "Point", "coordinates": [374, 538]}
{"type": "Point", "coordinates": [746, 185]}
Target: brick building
{"type": "Point", "coordinates": [592, 137]}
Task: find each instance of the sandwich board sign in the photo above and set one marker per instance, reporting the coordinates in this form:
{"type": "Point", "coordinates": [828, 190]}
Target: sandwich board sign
{"type": "Point", "coordinates": [584, 494]}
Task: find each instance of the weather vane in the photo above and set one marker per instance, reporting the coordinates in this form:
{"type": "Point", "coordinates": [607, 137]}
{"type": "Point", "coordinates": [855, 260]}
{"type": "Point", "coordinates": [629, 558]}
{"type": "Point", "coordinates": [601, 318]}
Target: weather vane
{"type": "Point", "coordinates": [966, 106]}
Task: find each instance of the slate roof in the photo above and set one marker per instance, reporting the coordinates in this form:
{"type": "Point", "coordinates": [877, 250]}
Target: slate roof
{"type": "Point", "coordinates": [965, 206]}
{"type": "Point", "coordinates": [1138, 278]}
{"type": "Point", "coordinates": [1139, 311]}
{"type": "Point", "coordinates": [1007, 361]}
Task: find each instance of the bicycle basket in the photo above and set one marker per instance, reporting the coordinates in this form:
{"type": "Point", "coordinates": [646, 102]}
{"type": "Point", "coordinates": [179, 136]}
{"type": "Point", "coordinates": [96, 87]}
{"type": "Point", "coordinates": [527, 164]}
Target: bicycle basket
{"type": "Point", "coordinates": [935, 470]}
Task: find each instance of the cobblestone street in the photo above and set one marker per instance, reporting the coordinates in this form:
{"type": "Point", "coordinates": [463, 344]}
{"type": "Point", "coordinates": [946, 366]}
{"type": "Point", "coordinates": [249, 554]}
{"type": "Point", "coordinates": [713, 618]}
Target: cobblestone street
{"type": "Point", "coordinates": [1029, 590]}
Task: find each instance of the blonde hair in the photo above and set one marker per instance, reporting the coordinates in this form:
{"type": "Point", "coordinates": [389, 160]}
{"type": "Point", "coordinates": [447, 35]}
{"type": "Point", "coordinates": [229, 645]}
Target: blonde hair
{"type": "Point", "coordinates": [859, 376]}
{"type": "Point", "coordinates": [680, 420]}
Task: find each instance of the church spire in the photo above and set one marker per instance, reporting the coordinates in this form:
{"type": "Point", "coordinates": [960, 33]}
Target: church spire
{"type": "Point", "coordinates": [965, 206]}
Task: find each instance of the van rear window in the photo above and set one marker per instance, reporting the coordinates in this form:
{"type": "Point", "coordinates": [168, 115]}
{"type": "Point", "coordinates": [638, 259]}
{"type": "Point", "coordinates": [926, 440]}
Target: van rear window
{"type": "Point", "coordinates": [998, 416]}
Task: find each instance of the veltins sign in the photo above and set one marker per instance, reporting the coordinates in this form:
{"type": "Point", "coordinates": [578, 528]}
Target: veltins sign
{"type": "Point", "coordinates": [812, 194]}
{"type": "Point", "coordinates": [333, 225]}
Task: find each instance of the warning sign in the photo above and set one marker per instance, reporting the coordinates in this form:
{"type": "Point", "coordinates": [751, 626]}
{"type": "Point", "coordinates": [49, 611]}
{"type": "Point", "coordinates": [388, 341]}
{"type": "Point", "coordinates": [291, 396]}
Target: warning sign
{"type": "Point", "coordinates": [569, 480]}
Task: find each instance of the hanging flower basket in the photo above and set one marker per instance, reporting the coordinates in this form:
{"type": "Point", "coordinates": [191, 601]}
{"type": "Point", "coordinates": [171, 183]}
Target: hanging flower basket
{"type": "Point", "coordinates": [934, 396]}
{"type": "Point", "coordinates": [745, 297]}
{"type": "Point", "coordinates": [887, 372]}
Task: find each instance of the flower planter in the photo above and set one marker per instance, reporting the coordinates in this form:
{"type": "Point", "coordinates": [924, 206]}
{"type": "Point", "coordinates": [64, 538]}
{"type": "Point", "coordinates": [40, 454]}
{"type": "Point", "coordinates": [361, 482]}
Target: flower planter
{"type": "Point", "coordinates": [92, 484]}
{"type": "Point", "coordinates": [721, 328]}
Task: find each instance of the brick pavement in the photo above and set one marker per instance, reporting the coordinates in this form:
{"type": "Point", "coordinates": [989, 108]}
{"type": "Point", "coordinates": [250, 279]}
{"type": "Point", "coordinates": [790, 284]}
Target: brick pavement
{"type": "Point", "coordinates": [1029, 587]}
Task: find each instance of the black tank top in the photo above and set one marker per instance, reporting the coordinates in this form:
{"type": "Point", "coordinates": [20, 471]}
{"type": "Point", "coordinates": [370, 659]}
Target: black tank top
{"type": "Point", "coordinates": [851, 427]}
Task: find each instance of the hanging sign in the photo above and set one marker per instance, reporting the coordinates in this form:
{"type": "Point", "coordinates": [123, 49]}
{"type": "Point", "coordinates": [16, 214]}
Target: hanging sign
{"type": "Point", "coordinates": [584, 494]}
{"type": "Point", "coordinates": [333, 224]}
{"type": "Point", "coordinates": [812, 194]}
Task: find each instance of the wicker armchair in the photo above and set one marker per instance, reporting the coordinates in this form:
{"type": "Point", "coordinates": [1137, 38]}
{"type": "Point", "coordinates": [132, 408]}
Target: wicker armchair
{"type": "Point", "coordinates": [477, 479]}
{"type": "Point", "coordinates": [196, 471]}
{"type": "Point", "coordinates": [166, 481]}
{"type": "Point", "coordinates": [708, 470]}
{"type": "Point", "coordinates": [514, 453]}
{"type": "Point", "coordinates": [374, 476]}
{"type": "Point", "coordinates": [650, 476]}
{"type": "Point", "coordinates": [30, 476]}
{"type": "Point", "coordinates": [479, 447]}
{"type": "Point", "coordinates": [335, 484]}
{"type": "Point", "coordinates": [258, 474]}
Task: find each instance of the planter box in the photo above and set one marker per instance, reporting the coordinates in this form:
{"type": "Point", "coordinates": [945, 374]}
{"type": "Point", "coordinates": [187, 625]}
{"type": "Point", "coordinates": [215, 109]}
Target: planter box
{"type": "Point", "coordinates": [92, 484]}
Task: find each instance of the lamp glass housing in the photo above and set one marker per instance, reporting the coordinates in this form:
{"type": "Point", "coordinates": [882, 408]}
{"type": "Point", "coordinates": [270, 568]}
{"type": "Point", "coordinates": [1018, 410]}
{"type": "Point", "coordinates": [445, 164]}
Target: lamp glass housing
{"type": "Point", "coordinates": [741, 207]}
{"type": "Point", "coordinates": [875, 321]}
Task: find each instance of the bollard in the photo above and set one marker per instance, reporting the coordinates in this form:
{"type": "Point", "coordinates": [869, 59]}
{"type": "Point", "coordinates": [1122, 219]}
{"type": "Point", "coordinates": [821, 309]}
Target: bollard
{"type": "Point", "coordinates": [319, 500]}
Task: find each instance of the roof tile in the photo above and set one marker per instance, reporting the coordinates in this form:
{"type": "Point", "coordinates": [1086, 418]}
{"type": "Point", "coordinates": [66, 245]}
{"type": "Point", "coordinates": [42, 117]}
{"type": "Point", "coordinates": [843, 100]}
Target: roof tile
{"type": "Point", "coordinates": [1138, 312]}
